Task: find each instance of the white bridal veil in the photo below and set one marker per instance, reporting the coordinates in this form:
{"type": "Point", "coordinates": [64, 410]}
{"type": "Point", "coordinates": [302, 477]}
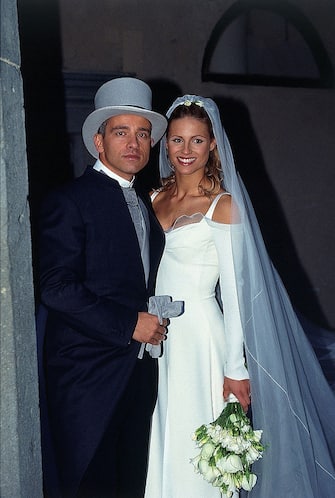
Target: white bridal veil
{"type": "Point", "coordinates": [291, 400]}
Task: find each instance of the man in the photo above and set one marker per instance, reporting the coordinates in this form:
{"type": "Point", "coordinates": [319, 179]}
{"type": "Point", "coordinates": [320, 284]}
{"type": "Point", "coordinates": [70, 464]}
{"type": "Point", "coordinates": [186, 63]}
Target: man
{"type": "Point", "coordinates": [96, 275]}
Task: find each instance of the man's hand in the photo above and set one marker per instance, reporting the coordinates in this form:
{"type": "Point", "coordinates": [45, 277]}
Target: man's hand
{"type": "Point", "coordinates": [148, 329]}
{"type": "Point", "coordinates": [240, 389]}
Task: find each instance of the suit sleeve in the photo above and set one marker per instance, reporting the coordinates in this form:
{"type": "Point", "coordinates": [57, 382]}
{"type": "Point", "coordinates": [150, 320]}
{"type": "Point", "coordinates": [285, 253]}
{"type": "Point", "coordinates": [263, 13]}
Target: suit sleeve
{"type": "Point", "coordinates": [62, 266]}
{"type": "Point", "coordinates": [235, 361]}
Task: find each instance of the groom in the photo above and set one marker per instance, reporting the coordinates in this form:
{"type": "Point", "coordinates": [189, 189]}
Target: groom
{"type": "Point", "coordinates": [97, 270]}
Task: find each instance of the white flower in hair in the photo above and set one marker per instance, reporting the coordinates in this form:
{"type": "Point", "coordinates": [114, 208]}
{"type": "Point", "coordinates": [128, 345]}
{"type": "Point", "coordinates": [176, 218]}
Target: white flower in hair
{"type": "Point", "coordinates": [188, 102]}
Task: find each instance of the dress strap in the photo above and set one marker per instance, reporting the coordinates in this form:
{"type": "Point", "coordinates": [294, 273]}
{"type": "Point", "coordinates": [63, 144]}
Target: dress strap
{"type": "Point", "coordinates": [212, 207]}
{"type": "Point", "coordinates": [154, 194]}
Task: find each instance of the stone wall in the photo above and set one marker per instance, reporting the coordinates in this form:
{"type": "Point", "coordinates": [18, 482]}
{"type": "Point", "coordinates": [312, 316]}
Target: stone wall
{"type": "Point", "coordinates": [20, 459]}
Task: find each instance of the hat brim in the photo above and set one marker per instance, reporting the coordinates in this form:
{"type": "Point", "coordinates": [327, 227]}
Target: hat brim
{"type": "Point", "coordinates": [97, 117]}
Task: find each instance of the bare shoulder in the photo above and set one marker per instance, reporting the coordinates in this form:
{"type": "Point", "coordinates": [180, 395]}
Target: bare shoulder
{"type": "Point", "coordinates": [160, 201]}
{"type": "Point", "coordinates": [223, 209]}
{"type": "Point", "coordinates": [156, 194]}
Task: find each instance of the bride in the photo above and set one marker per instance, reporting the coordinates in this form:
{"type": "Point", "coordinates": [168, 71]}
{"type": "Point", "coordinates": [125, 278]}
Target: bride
{"type": "Point", "coordinates": [246, 329]}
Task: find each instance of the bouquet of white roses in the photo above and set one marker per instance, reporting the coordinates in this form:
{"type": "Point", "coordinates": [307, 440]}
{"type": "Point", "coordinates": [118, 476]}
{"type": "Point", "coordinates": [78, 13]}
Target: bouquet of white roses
{"type": "Point", "coordinates": [229, 446]}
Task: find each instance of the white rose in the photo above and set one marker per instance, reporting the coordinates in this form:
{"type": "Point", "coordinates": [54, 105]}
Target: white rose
{"type": "Point", "coordinates": [230, 481]}
{"type": "Point", "coordinates": [257, 435]}
{"type": "Point", "coordinates": [209, 472]}
{"type": "Point", "coordinates": [252, 455]}
{"type": "Point", "coordinates": [249, 482]}
{"type": "Point", "coordinates": [230, 463]}
{"type": "Point", "coordinates": [237, 444]}
{"type": "Point", "coordinates": [218, 481]}
{"type": "Point", "coordinates": [207, 450]}
{"type": "Point", "coordinates": [245, 428]}
{"type": "Point", "coordinates": [216, 433]}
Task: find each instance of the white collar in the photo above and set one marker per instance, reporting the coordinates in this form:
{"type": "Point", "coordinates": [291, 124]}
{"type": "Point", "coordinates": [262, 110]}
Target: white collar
{"type": "Point", "coordinates": [99, 166]}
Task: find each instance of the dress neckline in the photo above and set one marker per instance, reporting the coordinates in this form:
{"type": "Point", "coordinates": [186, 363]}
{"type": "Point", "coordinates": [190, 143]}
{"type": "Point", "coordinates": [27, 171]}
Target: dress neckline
{"type": "Point", "coordinates": [195, 217]}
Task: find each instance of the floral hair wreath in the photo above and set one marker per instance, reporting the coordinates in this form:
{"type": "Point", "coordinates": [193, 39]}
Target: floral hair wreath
{"type": "Point", "coordinates": [188, 102]}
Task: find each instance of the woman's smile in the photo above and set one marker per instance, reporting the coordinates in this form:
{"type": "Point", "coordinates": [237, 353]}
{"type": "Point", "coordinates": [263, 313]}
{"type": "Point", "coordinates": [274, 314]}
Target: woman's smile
{"type": "Point", "coordinates": [186, 160]}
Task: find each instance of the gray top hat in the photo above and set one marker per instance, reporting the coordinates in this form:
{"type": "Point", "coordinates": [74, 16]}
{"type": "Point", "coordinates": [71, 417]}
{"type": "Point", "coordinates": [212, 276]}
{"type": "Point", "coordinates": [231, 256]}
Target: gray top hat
{"type": "Point", "coordinates": [122, 96]}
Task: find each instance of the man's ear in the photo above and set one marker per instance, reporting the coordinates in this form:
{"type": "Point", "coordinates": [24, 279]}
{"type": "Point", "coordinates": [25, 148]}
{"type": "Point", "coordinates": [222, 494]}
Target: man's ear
{"type": "Point", "coordinates": [97, 139]}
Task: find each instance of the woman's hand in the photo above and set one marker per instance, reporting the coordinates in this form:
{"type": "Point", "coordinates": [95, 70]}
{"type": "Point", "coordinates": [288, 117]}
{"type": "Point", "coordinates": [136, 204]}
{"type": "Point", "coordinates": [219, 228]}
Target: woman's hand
{"type": "Point", "coordinates": [240, 389]}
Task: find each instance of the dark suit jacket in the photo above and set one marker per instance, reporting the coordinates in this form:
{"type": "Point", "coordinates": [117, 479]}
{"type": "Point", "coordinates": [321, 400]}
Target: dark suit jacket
{"type": "Point", "coordinates": [92, 282]}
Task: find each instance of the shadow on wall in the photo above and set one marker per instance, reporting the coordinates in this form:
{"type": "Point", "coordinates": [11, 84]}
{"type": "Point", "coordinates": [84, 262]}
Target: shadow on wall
{"type": "Point", "coordinates": [47, 147]}
{"type": "Point", "coordinates": [164, 92]}
{"type": "Point", "coordinates": [278, 240]}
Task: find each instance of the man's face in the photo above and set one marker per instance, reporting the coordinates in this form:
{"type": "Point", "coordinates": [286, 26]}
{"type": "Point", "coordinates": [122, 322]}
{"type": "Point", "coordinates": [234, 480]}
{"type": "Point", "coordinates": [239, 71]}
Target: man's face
{"type": "Point", "coordinates": [125, 146]}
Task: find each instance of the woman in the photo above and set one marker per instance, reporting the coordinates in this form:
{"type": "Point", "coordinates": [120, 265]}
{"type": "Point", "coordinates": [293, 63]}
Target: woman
{"type": "Point", "coordinates": [211, 234]}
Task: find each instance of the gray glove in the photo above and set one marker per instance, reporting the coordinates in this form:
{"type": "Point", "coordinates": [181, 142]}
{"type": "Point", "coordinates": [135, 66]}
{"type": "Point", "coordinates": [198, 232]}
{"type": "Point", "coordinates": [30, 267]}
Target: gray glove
{"type": "Point", "coordinates": [163, 307]}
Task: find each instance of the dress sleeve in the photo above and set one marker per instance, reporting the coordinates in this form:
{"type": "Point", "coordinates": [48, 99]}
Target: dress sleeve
{"type": "Point", "coordinates": [229, 264]}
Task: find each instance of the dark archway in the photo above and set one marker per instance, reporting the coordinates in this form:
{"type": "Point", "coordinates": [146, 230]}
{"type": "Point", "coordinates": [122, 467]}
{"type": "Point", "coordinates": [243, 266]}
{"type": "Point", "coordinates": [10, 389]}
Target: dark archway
{"type": "Point", "coordinates": [266, 43]}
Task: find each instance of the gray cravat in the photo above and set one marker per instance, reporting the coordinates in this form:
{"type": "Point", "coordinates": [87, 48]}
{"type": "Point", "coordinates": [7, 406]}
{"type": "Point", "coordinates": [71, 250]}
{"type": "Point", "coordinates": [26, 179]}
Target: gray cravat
{"type": "Point", "coordinates": [135, 212]}
{"type": "Point", "coordinates": [138, 218]}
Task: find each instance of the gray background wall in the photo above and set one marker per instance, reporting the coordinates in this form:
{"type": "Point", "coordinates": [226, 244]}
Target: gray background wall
{"type": "Point", "coordinates": [282, 137]}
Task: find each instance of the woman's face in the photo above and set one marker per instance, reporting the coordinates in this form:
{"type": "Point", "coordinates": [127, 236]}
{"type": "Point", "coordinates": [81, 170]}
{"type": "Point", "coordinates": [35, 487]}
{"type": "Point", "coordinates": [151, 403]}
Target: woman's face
{"type": "Point", "coordinates": [188, 145]}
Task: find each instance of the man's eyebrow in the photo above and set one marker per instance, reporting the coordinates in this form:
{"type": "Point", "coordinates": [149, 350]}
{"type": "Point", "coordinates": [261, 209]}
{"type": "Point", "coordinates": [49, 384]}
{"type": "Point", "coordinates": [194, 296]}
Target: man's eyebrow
{"type": "Point", "coordinates": [120, 127]}
{"type": "Point", "coordinates": [125, 127]}
{"type": "Point", "coordinates": [144, 128]}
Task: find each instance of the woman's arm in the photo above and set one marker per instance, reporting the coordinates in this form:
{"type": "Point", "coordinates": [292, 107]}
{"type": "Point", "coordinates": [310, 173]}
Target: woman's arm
{"type": "Point", "coordinates": [236, 375]}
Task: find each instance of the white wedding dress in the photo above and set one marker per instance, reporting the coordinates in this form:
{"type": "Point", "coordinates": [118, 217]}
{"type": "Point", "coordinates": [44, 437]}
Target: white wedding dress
{"type": "Point", "coordinates": [195, 360]}
{"type": "Point", "coordinates": [291, 400]}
